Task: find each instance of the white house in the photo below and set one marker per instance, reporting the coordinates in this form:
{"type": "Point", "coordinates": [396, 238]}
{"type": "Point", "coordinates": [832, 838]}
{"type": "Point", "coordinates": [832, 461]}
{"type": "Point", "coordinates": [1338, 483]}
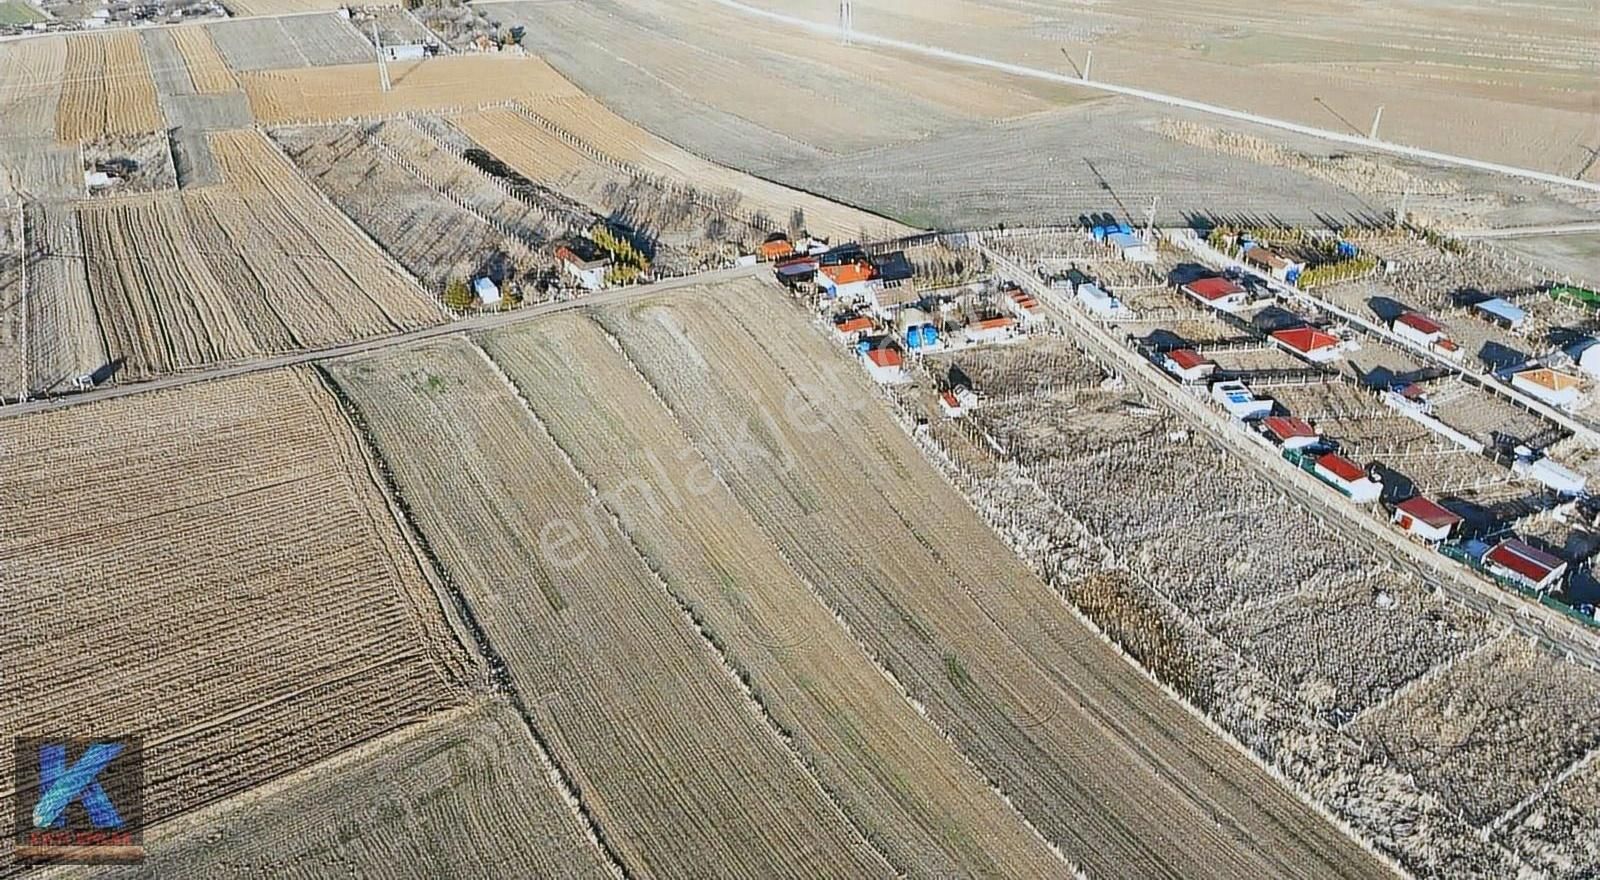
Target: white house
{"type": "Point", "coordinates": [1424, 332]}
{"type": "Point", "coordinates": [1188, 365]}
{"type": "Point", "coordinates": [1237, 399]}
{"type": "Point", "coordinates": [1103, 305]}
{"type": "Point", "coordinates": [584, 263]}
{"type": "Point", "coordinates": [488, 292]}
{"type": "Point", "coordinates": [1309, 343]}
{"type": "Point", "coordinates": [1132, 248]}
{"type": "Point", "coordinates": [847, 280]}
{"type": "Point", "coordinates": [1518, 561]}
{"type": "Point", "coordinates": [1290, 433]}
{"type": "Point", "coordinates": [1218, 293]}
{"type": "Point", "coordinates": [885, 365]}
{"type": "Point", "coordinates": [1550, 386]}
{"type": "Point", "coordinates": [1421, 518]}
{"type": "Point", "coordinates": [956, 401]}
{"type": "Point", "coordinates": [1345, 475]}
{"type": "Point", "coordinates": [405, 52]}
{"type": "Point", "coordinates": [1588, 358]}
{"type": "Point", "coordinates": [992, 330]}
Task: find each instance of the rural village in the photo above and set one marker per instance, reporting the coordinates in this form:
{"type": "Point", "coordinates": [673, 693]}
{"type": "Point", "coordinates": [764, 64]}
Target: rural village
{"type": "Point", "coordinates": [354, 360]}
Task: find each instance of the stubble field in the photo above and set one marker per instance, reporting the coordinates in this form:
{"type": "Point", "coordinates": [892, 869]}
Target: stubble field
{"type": "Point", "coordinates": [106, 88]}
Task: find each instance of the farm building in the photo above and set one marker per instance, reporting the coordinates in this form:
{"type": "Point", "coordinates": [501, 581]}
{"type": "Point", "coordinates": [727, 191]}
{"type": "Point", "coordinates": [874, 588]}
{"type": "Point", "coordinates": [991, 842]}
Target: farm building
{"type": "Point", "coordinates": [1422, 518]}
{"type": "Point", "coordinates": [487, 291]}
{"type": "Point", "coordinates": [1022, 306]}
{"type": "Point", "coordinates": [1314, 345]}
{"type": "Point", "coordinates": [1408, 397]}
{"type": "Point", "coordinates": [1188, 365]}
{"type": "Point", "coordinates": [405, 52]}
{"type": "Point", "coordinates": [1518, 561]}
{"type": "Point", "coordinates": [885, 365]}
{"type": "Point", "coordinates": [851, 329]}
{"type": "Point", "coordinates": [1587, 355]}
{"type": "Point", "coordinates": [1103, 305]}
{"type": "Point", "coordinates": [1218, 293]}
{"type": "Point", "coordinates": [1290, 433]}
{"type": "Point", "coordinates": [956, 401]}
{"type": "Point", "coordinates": [1550, 474]}
{"type": "Point", "coordinates": [1348, 477]}
{"type": "Point", "coordinates": [892, 268]}
{"type": "Point", "coordinates": [1239, 401]}
{"type": "Point", "coordinates": [1424, 332]}
{"type": "Point", "coordinates": [852, 280]}
{"type": "Point", "coordinates": [1550, 386]}
{"type": "Point", "coordinates": [1274, 264]}
{"type": "Point", "coordinates": [1503, 313]}
{"type": "Point", "coordinates": [885, 300]}
{"type": "Point", "coordinates": [992, 330]}
{"type": "Point", "coordinates": [584, 262]}
{"type": "Point", "coordinates": [1131, 247]}
{"type": "Point", "coordinates": [775, 248]}
{"type": "Point", "coordinates": [795, 270]}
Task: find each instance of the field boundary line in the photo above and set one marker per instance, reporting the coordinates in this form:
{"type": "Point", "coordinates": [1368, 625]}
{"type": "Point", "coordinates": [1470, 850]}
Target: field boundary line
{"type": "Point", "coordinates": [856, 36]}
{"type": "Point", "coordinates": [1424, 678]}
{"type": "Point", "coordinates": [739, 677]}
{"type": "Point", "coordinates": [22, 296]}
{"type": "Point", "coordinates": [571, 793]}
{"type": "Point", "coordinates": [1566, 773]}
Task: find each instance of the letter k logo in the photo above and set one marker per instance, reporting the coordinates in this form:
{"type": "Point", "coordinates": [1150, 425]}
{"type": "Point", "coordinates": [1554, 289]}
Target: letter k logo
{"type": "Point", "coordinates": [60, 786]}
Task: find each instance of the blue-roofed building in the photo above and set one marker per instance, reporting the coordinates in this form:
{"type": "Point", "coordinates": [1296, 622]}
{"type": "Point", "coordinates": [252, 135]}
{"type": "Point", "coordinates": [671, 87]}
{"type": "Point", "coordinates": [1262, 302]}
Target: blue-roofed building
{"type": "Point", "coordinates": [1503, 313]}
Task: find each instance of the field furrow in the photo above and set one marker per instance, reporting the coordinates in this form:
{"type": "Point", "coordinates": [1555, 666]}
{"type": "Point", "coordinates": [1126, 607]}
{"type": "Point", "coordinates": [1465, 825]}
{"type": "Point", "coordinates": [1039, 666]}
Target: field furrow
{"type": "Point", "coordinates": [106, 88]}
{"type": "Point", "coordinates": [207, 69]}
{"type": "Point", "coordinates": [681, 775]}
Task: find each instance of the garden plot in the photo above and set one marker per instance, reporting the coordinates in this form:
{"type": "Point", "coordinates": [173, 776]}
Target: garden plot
{"type": "Point", "coordinates": [667, 751]}
{"type": "Point", "coordinates": [106, 88]}
{"type": "Point", "coordinates": [894, 775]}
{"type": "Point", "coordinates": [464, 793]}
{"type": "Point", "coordinates": [1489, 418]}
{"type": "Point", "coordinates": [64, 339]}
{"type": "Point", "coordinates": [1501, 724]}
{"type": "Point", "coordinates": [455, 82]}
{"type": "Point", "coordinates": [167, 69]}
{"type": "Point", "coordinates": [143, 162]}
{"type": "Point", "coordinates": [234, 567]}
{"type": "Point", "coordinates": [31, 72]}
{"type": "Point", "coordinates": [1352, 644]}
{"type": "Point", "coordinates": [1560, 833]}
{"type": "Point", "coordinates": [434, 238]}
{"type": "Point", "coordinates": [299, 41]}
{"type": "Point", "coordinates": [992, 654]}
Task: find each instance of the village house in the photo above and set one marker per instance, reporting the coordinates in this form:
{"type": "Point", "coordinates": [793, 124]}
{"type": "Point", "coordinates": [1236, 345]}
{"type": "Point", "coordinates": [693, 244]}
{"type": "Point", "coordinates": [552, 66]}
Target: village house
{"type": "Point", "coordinates": [1290, 433]}
{"type": "Point", "coordinates": [1217, 292]}
{"type": "Point", "coordinates": [1552, 387]}
{"type": "Point", "coordinates": [584, 262]}
{"type": "Point", "coordinates": [1188, 365]}
{"type": "Point", "coordinates": [1316, 346]}
{"type": "Point", "coordinates": [1521, 563]}
{"type": "Point", "coordinates": [1426, 520]}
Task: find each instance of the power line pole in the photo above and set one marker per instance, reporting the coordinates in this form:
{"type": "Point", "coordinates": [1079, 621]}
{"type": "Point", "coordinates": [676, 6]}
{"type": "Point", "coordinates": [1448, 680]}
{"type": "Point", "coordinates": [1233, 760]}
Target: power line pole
{"type": "Point", "coordinates": [1150, 217]}
{"type": "Point", "coordinates": [1376, 118]}
{"type": "Point", "coordinates": [1088, 62]}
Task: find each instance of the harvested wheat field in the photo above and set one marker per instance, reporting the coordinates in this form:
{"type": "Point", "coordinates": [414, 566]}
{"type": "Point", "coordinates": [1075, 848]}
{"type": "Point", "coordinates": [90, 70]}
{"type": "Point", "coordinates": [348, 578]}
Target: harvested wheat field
{"type": "Point", "coordinates": [13, 308]}
{"type": "Point", "coordinates": [1112, 770]}
{"type": "Point", "coordinates": [232, 586]}
{"type": "Point", "coordinates": [463, 794]}
{"type": "Point", "coordinates": [667, 750]}
{"type": "Point", "coordinates": [160, 306]}
{"type": "Point", "coordinates": [207, 70]}
{"type": "Point", "coordinates": [106, 88]}
{"type": "Point", "coordinates": [243, 8]}
{"type": "Point", "coordinates": [63, 332]}
{"type": "Point", "coordinates": [30, 86]}
{"type": "Point", "coordinates": [333, 94]}
{"type": "Point", "coordinates": [895, 776]}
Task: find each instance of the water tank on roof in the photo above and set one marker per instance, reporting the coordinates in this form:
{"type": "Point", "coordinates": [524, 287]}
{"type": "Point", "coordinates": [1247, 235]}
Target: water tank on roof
{"type": "Point", "coordinates": [930, 336]}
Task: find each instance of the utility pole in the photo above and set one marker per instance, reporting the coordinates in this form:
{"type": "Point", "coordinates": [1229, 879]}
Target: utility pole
{"type": "Point", "coordinates": [1150, 217]}
{"type": "Point", "coordinates": [845, 23]}
{"type": "Point", "coordinates": [1088, 62]}
{"type": "Point", "coordinates": [383, 66]}
{"type": "Point", "coordinates": [1376, 118]}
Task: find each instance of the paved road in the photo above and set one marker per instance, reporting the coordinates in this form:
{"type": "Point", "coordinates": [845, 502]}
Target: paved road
{"type": "Point", "coordinates": [1551, 628]}
{"type": "Point", "coordinates": [465, 325]}
{"type": "Point", "coordinates": [831, 31]}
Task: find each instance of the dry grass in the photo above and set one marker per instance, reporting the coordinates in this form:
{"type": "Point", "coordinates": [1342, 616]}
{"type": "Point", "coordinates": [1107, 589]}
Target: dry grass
{"type": "Point", "coordinates": [671, 756]}
{"type": "Point", "coordinates": [106, 88]}
{"type": "Point", "coordinates": [243, 8]}
{"type": "Point", "coordinates": [207, 70]}
{"type": "Point", "coordinates": [233, 586]}
{"type": "Point", "coordinates": [336, 93]}
{"type": "Point", "coordinates": [64, 339]}
{"type": "Point", "coordinates": [30, 85]}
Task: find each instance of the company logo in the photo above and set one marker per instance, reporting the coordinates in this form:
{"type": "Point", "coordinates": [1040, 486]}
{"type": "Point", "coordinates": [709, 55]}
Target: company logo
{"type": "Point", "coordinates": [79, 799]}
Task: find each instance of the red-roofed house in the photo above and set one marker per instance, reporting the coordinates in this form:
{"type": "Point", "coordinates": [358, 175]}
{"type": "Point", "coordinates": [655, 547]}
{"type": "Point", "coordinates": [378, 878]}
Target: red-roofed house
{"type": "Point", "coordinates": [1516, 560]}
{"type": "Point", "coordinates": [850, 329]}
{"type": "Point", "coordinates": [847, 280]}
{"type": "Point", "coordinates": [1419, 329]}
{"type": "Point", "coordinates": [1310, 343]}
{"type": "Point", "coordinates": [1218, 293]}
{"type": "Point", "coordinates": [1188, 365]}
{"type": "Point", "coordinates": [1421, 518]}
{"type": "Point", "coordinates": [1550, 386]}
{"type": "Point", "coordinates": [1345, 475]}
{"type": "Point", "coordinates": [1290, 433]}
{"type": "Point", "coordinates": [885, 365]}
{"type": "Point", "coordinates": [955, 401]}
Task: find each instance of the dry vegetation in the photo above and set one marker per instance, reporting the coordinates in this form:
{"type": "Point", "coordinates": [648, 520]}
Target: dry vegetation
{"type": "Point", "coordinates": [13, 307]}
{"type": "Point", "coordinates": [64, 339]}
{"type": "Point", "coordinates": [208, 72]}
{"type": "Point", "coordinates": [333, 94]}
{"type": "Point", "coordinates": [1561, 833]}
{"type": "Point", "coordinates": [280, 7]}
{"type": "Point", "coordinates": [994, 657]}
{"type": "Point", "coordinates": [106, 88]}
{"type": "Point", "coordinates": [232, 586]}
{"type": "Point", "coordinates": [908, 788]}
{"type": "Point", "coordinates": [30, 86]}
{"type": "Point", "coordinates": [671, 756]}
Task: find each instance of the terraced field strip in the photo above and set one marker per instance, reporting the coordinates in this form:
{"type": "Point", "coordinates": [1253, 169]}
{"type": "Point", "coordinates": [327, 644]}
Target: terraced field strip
{"type": "Point", "coordinates": [463, 794]}
{"type": "Point", "coordinates": [30, 86]}
{"type": "Point", "coordinates": [106, 88]}
{"type": "Point", "coordinates": [453, 82]}
{"type": "Point", "coordinates": [894, 773]}
{"type": "Point", "coordinates": [13, 301]}
{"type": "Point", "coordinates": [676, 767]}
{"type": "Point", "coordinates": [207, 70]}
{"type": "Point", "coordinates": [1120, 776]}
{"type": "Point", "coordinates": [64, 339]}
{"type": "Point", "coordinates": [233, 567]}
{"type": "Point", "coordinates": [161, 307]}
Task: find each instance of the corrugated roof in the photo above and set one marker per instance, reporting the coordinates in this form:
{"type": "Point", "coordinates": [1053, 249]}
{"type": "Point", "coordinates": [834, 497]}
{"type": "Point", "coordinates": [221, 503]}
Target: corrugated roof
{"type": "Point", "coordinates": [885, 357]}
{"type": "Point", "coordinates": [1341, 467]}
{"type": "Point", "coordinates": [1286, 427]}
{"type": "Point", "coordinates": [1265, 257]}
{"type": "Point", "coordinates": [1427, 511]}
{"type": "Point", "coordinates": [994, 323]}
{"type": "Point", "coordinates": [1187, 358]}
{"type": "Point", "coordinates": [854, 325]}
{"type": "Point", "coordinates": [1548, 378]}
{"type": "Point", "coordinates": [1502, 309]}
{"type": "Point", "coordinates": [1420, 322]}
{"type": "Point", "coordinates": [848, 273]}
{"type": "Point", "coordinates": [1306, 339]}
{"type": "Point", "coordinates": [1213, 289]}
{"type": "Point", "coordinates": [1524, 559]}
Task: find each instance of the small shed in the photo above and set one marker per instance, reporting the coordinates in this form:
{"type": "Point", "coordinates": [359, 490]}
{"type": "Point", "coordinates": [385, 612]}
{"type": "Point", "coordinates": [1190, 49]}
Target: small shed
{"type": "Point", "coordinates": [996, 329]}
{"type": "Point", "coordinates": [405, 52]}
{"type": "Point", "coordinates": [853, 328]}
{"type": "Point", "coordinates": [1503, 313]}
{"type": "Point", "coordinates": [1218, 293]}
{"type": "Point", "coordinates": [1308, 342]}
{"type": "Point", "coordinates": [1237, 398]}
{"type": "Point", "coordinates": [487, 291]}
{"type": "Point", "coordinates": [1417, 328]}
{"type": "Point", "coordinates": [584, 261]}
{"type": "Point", "coordinates": [1101, 304]}
{"type": "Point", "coordinates": [1551, 386]}
{"type": "Point", "coordinates": [1022, 306]}
{"type": "Point", "coordinates": [1131, 247]}
{"type": "Point", "coordinates": [1520, 562]}
{"type": "Point", "coordinates": [1422, 518]}
{"type": "Point", "coordinates": [885, 365]}
{"type": "Point", "coordinates": [956, 401]}
{"type": "Point", "coordinates": [1348, 477]}
{"type": "Point", "coordinates": [1588, 357]}
{"type": "Point", "coordinates": [776, 247]}
{"type": "Point", "coordinates": [1551, 474]}
{"type": "Point", "coordinates": [1274, 264]}
{"type": "Point", "coordinates": [1188, 365]}
{"type": "Point", "coordinates": [1289, 432]}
